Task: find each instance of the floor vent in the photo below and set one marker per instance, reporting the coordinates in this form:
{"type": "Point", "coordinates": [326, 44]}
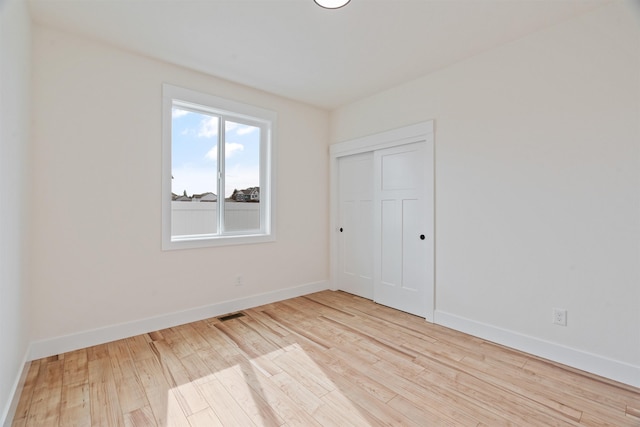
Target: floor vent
{"type": "Point", "coordinates": [230, 316]}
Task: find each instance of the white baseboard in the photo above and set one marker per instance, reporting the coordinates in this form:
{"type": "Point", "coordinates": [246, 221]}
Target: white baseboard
{"type": "Point", "coordinates": [9, 412]}
{"type": "Point", "coordinates": [63, 344]}
{"type": "Point", "coordinates": [593, 363]}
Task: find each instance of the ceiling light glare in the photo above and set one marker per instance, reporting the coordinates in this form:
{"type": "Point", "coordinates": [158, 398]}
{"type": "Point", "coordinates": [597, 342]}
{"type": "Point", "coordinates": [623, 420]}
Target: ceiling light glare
{"type": "Point", "coordinates": [331, 4]}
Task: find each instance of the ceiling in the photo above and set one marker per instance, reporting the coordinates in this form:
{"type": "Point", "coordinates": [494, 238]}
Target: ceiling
{"type": "Point", "coordinates": [298, 50]}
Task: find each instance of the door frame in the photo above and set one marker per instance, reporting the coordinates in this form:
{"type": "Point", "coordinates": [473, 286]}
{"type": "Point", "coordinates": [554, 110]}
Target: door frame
{"type": "Point", "coordinates": [423, 131]}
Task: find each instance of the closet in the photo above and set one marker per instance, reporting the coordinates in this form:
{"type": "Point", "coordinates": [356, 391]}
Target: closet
{"type": "Point", "coordinates": [382, 218]}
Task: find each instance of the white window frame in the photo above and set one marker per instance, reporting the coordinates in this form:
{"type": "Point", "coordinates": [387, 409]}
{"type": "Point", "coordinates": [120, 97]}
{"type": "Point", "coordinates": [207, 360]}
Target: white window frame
{"type": "Point", "coordinates": [233, 110]}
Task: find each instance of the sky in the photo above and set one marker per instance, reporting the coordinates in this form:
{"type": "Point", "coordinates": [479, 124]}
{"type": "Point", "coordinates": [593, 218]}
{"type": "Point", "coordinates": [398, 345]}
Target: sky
{"type": "Point", "coordinates": [194, 156]}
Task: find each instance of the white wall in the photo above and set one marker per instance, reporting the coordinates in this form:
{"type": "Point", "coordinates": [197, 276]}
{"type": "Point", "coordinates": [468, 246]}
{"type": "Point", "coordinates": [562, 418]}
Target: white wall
{"type": "Point", "coordinates": [97, 258]}
{"type": "Point", "coordinates": [537, 187]}
{"type": "Point", "coordinates": [14, 189]}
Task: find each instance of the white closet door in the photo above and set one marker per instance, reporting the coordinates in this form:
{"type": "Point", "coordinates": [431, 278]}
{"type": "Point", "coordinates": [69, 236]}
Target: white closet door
{"type": "Point", "coordinates": [355, 259]}
{"type": "Point", "coordinates": [403, 224]}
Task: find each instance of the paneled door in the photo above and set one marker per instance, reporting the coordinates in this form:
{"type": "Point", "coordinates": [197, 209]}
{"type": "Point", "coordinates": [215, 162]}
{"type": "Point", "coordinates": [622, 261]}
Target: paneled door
{"type": "Point", "coordinates": [355, 201]}
{"type": "Point", "coordinates": [403, 224]}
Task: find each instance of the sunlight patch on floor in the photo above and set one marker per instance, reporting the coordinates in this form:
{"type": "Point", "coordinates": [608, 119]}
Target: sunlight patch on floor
{"type": "Point", "coordinates": [246, 393]}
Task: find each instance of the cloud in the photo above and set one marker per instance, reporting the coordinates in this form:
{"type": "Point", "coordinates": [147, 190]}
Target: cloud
{"type": "Point", "coordinates": [208, 127]}
{"type": "Point", "coordinates": [245, 130]}
{"type": "Point", "coordinates": [212, 154]}
{"type": "Point", "coordinates": [230, 149]}
{"type": "Point", "coordinates": [176, 112]}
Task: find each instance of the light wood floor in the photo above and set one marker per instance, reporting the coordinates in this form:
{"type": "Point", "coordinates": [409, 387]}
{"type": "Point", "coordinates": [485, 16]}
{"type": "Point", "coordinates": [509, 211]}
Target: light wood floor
{"type": "Point", "coordinates": [328, 359]}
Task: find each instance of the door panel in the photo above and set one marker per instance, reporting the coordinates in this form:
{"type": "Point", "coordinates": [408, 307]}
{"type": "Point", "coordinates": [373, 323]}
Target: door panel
{"type": "Point", "coordinates": [365, 233]}
{"type": "Point", "coordinates": [403, 273]}
{"type": "Point", "coordinates": [391, 245]}
{"type": "Point", "coordinates": [412, 253]}
{"type": "Point", "coordinates": [398, 170]}
{"type": "Point", "coordinates": [355, 243]}
{"type": "Point", "coordinates": [349, 221]}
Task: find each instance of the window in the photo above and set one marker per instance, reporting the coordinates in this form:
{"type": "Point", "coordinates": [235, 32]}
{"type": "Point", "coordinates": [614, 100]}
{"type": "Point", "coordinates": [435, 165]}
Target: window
{"type": "Point", "coordinates": [217, 171]}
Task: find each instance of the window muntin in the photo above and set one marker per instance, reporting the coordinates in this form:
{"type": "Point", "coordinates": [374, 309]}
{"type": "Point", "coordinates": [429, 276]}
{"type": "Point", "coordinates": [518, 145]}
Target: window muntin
{"type": "Point", "coordinates": [217, 163]}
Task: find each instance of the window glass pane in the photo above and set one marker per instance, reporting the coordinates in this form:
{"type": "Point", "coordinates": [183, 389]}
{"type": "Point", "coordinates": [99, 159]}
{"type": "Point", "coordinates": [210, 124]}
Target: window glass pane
{"type": "Point", "coordinates": [242, 177]}
{"type": "Point", "coordinates": [194, 160]}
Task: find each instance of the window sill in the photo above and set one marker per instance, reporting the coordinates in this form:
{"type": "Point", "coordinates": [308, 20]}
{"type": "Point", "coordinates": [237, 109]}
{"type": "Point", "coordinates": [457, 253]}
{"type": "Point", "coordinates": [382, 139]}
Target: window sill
{"type": "Point", "coordinates": [204, 241]}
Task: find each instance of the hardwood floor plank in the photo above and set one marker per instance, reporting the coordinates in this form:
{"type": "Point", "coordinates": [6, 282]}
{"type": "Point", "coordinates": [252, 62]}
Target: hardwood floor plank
{"type": "Point", "coordinates": [595, 389]}
{"type": "Point", "coordinates": [193, 337]}
{"type": "Point", "coordinates": [515, 382]}
{"type": "Point", "coordinates": [196, 369]}
{"type": "Point", "coordinates": [212, 361]}
{"type": "Point", "coordinates": [155, 336]}
{"type": "Point", "coordinates": [359, 389]}
{"type": "Point", "coordinates": [216, 339]}
{"type": "Point", "coordinates": [141, 417]}
{"type": "Point", "coordinates": [75, 408]}
{"type": "Point", "coordinates": [226, 408]}
{"type": "Point", "coordinates": [185, 392]}
{"type": "Point", "coordinates": [204, 418]}
{"type": "Point", "coordinates": [417, 392]}
{"type": "Point", "coordinates": [303, 329]}
{"type": "Point", "coordinates": [178, 344]}
{"type": "Point", "coordinates": [131, 394]}
{"type": "Point", "coordinates": [155, 387]}
{"type": "Point", "coordinates": [332, 413]}
{"type": "Point", "coordinates": [298, 393]}
{"type": "Point", "coordinates": [419, 415]}
{"type": "Point", "coordinates": [22, 410]}
{"type": "Point", "coordinates": [276, 330]}
{"type": "Point", "coordinates": [176, 416]}
{"type": "Point", "coordinates": [506, 403]}
{"type": "Point", "coordinates": [242, 383]}
{"type": "Point", "coordinates": [630, 411]}
{"type": "Point", "coordinates": [139, 347]}
{"type": "Point", "coordinates": [385, 414]}
{"type": "Point", "coordinates": [262, 385]}
{"type": "Point", "coordinates": [254, 346]}
{"type": "Point", "coordinates": [304, 370]}
{"type": "Point", "coordinates": [105, 405]}
{"type": "Point", "coordinates": [45, 402]}
{"type": "Point", "coordinates": [97, 352]}
{"type": "Point", "coordinates": [350, 373]}
{"type": "Point", "coordinates": [246, 338]}
{"type": "Point", "coordinates": [375, 335]}
{"type": "Point", "coordinates": [348, 412]}
{"type": "Point", "coordinates": [76, 367]}
{"type": "Point", "coordinates": [325, 359]}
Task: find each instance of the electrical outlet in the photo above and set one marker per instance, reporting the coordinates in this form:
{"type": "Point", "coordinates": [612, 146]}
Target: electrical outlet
{"type": "Point", "coordinates": [239, 280]}
{"type": "Point", "coordinates": [560, 316]}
